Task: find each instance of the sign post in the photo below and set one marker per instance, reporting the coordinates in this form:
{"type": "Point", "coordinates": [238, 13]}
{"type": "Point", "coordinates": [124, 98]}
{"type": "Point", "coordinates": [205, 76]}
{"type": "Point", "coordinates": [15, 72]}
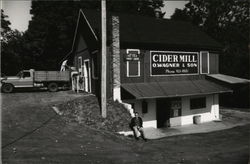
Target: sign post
{"type": "Point", "coordinates": [104, 62]}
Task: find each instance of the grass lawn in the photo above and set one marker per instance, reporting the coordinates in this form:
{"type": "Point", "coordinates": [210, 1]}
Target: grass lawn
{"type": "Point", "coordinates": [62, 142]}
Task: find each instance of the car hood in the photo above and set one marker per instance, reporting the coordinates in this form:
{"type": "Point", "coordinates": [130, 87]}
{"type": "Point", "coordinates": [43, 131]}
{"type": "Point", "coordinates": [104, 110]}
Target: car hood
{"type": "Point", "coordinates": [12, 77]}
{"type": "Point", "coordinates": [9, 78]}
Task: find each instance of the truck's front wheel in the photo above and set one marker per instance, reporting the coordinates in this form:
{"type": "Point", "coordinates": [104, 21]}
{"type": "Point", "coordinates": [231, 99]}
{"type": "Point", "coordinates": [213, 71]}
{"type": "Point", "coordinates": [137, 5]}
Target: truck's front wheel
{"type": "Point", "coordinates": [53, 87]}
{"type": "Point", "coordinates": [7, 88]}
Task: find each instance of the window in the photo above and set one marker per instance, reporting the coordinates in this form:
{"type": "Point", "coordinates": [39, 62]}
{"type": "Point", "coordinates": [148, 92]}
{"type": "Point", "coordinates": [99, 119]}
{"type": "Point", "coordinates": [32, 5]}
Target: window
{"type": "Point", "coordinates": [26, 74]}
{"type": "Point", "coordinates": [94, 67]}
{"type": "Point", "coordinates": [133, 62]}
{"type": "Point", "coordinates": [176, 107]}
{"type": "Point", "coordinates": [144, 107]}
{"type": "Point", "coordinates": [79, 65]}
{"type": "Point", "coordinates": [133, 68]}
{"type": "Point", "coordinates": [198, 103]}
{"type": "Point", "coordinates": [204, 62]}
{"type": "Point", "coordinates": [79, 62]}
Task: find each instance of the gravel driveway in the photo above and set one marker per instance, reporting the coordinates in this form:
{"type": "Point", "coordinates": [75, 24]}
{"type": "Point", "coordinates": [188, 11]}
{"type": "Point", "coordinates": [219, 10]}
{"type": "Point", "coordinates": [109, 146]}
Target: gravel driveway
{"type": "Point", "coordinates": [48, 139]}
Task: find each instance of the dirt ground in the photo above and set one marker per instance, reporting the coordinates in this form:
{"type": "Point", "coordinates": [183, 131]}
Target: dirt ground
{"type": "Point", "coordinates": [33, 134]}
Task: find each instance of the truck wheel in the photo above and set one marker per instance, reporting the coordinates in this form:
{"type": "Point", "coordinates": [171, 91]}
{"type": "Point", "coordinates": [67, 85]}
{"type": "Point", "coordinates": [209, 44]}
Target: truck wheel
{"type": "Point", "coordinates": [7, 88]}
{"type": "Point", "coordinates": [53, 87]}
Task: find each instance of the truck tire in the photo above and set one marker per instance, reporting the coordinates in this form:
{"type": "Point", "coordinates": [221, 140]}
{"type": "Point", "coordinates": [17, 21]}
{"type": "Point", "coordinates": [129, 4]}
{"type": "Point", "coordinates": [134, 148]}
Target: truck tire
{"type": "Point", "coordinates": [7, 88]}
{"type": "Point", "coordinates": [53, 87]}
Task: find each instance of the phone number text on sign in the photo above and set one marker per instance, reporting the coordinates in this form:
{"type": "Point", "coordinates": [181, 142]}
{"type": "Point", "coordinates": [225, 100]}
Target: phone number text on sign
{"type": "Point", "coordinates": [170, 63]}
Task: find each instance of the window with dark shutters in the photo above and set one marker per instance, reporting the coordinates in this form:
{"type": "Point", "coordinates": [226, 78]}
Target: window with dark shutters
{"type": "Point", "coordinates": [204, 62]}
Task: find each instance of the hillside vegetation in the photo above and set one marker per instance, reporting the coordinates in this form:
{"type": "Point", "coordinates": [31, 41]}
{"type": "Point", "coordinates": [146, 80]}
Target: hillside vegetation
{"type": "Point", "coordinates": [86, 110]}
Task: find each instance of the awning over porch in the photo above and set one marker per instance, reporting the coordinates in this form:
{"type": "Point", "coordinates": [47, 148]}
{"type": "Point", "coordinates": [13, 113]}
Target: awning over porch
{"type": "Point", "coordinates": [228, 79]}
{"type": "Point", "coordinates": [173, 89]}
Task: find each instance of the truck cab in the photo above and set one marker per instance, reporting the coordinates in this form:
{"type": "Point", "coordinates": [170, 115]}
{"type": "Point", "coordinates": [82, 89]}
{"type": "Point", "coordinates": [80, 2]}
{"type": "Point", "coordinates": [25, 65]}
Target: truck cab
{"type": "Point", "coordinates": [24, 79]}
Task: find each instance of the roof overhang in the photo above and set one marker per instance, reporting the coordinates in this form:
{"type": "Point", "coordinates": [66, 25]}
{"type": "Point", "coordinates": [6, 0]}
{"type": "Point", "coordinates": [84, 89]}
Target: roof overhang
{"type": "Point", "coordinates": [173, 89]}
{"type": "Point", "coordinates": [229, 79]}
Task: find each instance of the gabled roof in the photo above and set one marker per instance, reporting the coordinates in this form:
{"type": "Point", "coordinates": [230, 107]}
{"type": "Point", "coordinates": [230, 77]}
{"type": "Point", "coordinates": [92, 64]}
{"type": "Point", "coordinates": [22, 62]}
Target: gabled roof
{"type": "Point", "coordinates": [145, 31]}
{"type": "Point", "coordinates": [86, 29]}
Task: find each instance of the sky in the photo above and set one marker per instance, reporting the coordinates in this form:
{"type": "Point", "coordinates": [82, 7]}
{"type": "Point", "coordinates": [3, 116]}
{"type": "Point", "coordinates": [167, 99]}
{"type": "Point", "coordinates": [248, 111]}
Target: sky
{"type": "Point", "coordinates": [19, 16]}
{"type": "Point", "coordinates": [18, 12]}
{"type": "Point", "coordinates": [170, 7]}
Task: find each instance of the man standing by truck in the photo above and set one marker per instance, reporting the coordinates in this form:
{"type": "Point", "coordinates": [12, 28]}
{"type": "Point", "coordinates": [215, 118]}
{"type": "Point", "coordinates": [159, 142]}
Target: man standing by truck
{"type": "Point", "coordinates": [64, 65]}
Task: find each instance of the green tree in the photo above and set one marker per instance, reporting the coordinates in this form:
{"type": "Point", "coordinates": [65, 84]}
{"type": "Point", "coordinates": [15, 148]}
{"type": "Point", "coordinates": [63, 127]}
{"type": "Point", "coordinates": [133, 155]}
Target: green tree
{"type": "Point", "coordinates": [12, 53]}
{"type": "Point", "coordinates": [51, 30]}
{"type": "Point", "coordinates": [227, 22]}
{"type": "Point", "coordinates": [13, 50]}
{"type": "Point", "coordinates": [138, 7]}
{"type": "Point", "coordinates": [5, 29]}
{"type": "Point", "coordinates": [10, 46]}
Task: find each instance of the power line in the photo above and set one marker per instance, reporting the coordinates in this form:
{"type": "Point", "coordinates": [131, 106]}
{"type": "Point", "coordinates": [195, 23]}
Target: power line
{"type": "Point", "coordinates": [30, 132]}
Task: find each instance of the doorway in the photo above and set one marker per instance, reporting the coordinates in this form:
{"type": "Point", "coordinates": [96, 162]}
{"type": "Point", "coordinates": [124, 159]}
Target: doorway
{"type": "Point", "coordinates": [163, 112]}
{"type": "Point", "coordinates": [87, 75]}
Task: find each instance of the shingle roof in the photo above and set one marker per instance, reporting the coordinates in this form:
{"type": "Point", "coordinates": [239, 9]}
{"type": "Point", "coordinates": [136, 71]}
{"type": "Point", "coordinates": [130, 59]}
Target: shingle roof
{"type": "Point", "coordinates": [147, 30]}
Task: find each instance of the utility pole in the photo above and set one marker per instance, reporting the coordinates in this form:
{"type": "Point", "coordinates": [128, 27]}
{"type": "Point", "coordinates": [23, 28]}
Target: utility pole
{"type": "Point", "coordinates": [104, 61]}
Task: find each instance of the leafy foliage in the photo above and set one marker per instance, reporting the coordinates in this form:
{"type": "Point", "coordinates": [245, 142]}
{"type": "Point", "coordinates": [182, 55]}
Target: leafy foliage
{"type": "Point", "coordinates": [227, 22]}
{"type": "Point", "coordinates": [12, 53]}
{"type": "Point", "coordinates": [50, 34]}
{"type": "Point", "coordinates": [11, 47]}
{"type": "Point", "coordinates": [5, 29]}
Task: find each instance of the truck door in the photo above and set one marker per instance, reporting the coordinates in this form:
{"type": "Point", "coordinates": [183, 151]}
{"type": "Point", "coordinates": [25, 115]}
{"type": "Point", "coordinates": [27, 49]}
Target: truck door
{"type": "Point", "coordinates": [25, 80]}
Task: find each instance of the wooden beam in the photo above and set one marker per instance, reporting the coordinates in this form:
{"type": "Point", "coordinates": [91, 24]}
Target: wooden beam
{"type": "Point", "coordinates": [104, 61]}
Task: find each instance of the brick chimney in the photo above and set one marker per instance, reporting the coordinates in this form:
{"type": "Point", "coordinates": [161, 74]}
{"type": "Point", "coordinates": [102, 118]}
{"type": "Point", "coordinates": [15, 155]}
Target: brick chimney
{"type": "Point", "coordinates": [115, 52]}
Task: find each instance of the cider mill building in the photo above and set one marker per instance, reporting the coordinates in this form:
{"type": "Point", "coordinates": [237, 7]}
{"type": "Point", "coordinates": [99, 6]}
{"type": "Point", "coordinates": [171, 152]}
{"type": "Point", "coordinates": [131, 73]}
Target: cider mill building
{"type": "Point", "coordinates": [165, 70]}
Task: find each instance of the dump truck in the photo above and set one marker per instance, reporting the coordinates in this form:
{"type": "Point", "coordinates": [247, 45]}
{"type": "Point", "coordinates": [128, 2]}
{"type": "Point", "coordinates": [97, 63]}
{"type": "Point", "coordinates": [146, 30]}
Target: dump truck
{"type": "Point", "coordinates": [52, 80]}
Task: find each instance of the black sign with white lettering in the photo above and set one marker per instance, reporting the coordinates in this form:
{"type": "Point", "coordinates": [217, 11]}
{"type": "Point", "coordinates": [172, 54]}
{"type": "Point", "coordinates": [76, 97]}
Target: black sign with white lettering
{"type": "Point", "coordinates": [171, 63]}
{"type": "Point", "coordinates": [132, 55]}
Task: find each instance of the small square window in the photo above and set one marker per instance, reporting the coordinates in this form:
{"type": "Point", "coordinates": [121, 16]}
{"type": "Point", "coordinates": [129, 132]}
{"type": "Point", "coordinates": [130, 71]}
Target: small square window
{"type": "Point", "coordinates": [198, 103]}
